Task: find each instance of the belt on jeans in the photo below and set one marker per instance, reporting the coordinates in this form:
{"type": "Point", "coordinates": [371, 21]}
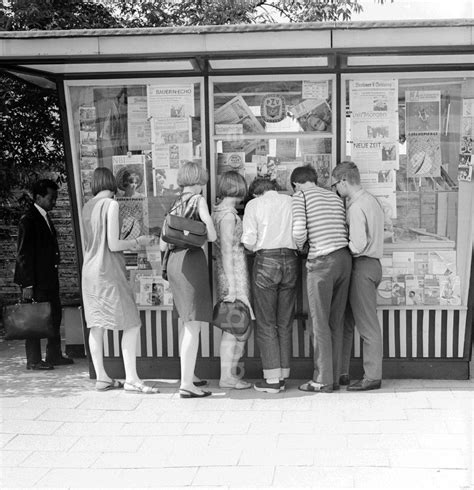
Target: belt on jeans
{"type": "Point", "coordinates": [314, 259]}
{"type": "Point", "coordinates": [276, 251]}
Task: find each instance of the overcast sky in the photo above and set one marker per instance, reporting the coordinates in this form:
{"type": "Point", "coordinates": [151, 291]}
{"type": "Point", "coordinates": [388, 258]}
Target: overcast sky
{"type": "Point", "coordinates": [416, 9]}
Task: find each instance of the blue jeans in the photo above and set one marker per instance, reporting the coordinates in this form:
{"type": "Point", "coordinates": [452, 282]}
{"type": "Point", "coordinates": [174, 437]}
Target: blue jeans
{"type": "Point", "coordinates": [274, 289]}
{"type": "Point", "coordinates": [328, 280]}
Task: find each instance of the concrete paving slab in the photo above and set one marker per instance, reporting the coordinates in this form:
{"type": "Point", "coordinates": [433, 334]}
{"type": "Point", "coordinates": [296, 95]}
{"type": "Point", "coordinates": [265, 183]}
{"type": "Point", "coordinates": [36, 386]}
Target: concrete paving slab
{"type": "Point", "coordinates": [58, 432]}
{"type": "Point", "coordinates": [59, 459]}
{"type": "Point", "coordinates": [230, 476]}
{"type": "Point", "coordinates": [17, 426]}
{"type": "Point", "coordinates": [43, 443]}
{"type": "Point", "coordinates": [109, 444]}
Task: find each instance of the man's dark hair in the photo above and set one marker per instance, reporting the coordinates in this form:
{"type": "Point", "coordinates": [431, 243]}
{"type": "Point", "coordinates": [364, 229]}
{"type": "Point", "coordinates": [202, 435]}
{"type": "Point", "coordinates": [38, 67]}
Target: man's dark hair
{"type": "Point", "coordinates": [303, 174]}
{"type": "Point", "coordinates": [40, 187]}
{"type": "Point", "coordinates": [260, 185]}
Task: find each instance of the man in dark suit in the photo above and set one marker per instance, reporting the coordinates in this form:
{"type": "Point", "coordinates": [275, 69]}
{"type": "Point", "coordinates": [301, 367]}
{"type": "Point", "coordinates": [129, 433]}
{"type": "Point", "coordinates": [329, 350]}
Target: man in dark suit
{"type": "Point", "coordinates": [36, 271]}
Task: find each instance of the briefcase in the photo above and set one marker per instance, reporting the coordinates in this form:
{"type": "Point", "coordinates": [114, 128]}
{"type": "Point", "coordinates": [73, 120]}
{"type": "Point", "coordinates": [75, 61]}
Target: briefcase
{"type": "Point", "coordinates": [28, 321]}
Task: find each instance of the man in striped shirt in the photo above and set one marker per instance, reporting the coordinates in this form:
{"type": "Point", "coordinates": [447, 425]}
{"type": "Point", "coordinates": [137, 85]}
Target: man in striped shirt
{"type": "Point", "coordinates": [365, 218]}
{"type": "Point", "coordinates": [320, 218]}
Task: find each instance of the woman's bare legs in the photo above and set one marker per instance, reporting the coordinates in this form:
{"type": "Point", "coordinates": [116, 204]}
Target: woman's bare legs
{"type": "Point", "coordinates": [238, 353]}
{"type": "Point", "coordinates": [129, 350]}
{"type": "Point", "coordinates": [231, 351]}
{"type": "Point", "coordinates": [96, 346]}
{"type": "Point", "coordinates": [227, 354]}
{"type": "Point", "coordinates": [188, 354]}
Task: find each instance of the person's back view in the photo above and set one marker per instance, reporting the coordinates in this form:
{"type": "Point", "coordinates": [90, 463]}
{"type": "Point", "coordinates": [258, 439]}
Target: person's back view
{"type": "Point", "coordinates": [267, 231]}
{"type": "Point", "coordinates": [319, 216]}
{"type": "Point", "coordinates": [108, 300]}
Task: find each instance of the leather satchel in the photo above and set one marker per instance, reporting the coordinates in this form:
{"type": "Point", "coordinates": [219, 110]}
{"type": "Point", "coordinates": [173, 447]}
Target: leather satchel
{"type": "Point", "coordinates": [183, 232]}
{"type": "Point", "coordinates": [233, 318]}
{"type": "Point", "coordinates": [24, 321]}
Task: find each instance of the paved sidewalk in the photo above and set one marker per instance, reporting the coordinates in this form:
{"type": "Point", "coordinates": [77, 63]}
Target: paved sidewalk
{"type": "Point", "coordinates": [56, 431]}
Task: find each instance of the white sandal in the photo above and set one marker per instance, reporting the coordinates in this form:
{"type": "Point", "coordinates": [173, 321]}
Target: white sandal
{"type": "Point", "coordinates": [238, 384]}
{"type": "Point", "coordinates": [140, 388]}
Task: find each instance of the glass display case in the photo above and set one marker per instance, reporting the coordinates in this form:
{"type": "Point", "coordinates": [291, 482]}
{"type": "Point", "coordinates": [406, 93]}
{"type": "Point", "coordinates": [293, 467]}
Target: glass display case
{"type": "Point", "coordinates": [268, 125]}
{"type": "Point", "coordinates": [411, 137]}
{"type": "Point", "coordinates": [142, 130]}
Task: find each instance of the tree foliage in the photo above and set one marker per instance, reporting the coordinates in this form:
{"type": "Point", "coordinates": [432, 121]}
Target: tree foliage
{"type": "Point", "coordinates": [90, 14]}
{"type": "Point", "coordinates": [25, 15]}
{"type": "Point", "coordinates": [30, 135]}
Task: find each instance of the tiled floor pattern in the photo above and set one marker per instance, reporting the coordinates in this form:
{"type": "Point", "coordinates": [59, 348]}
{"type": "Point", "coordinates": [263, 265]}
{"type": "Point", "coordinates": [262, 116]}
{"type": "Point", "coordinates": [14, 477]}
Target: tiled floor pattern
{"type": "Point", "coordinates": [56, 432]}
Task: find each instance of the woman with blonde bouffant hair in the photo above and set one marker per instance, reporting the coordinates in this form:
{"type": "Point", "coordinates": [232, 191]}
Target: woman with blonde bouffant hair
{"type": "Point", "coordinates": [188, 275]}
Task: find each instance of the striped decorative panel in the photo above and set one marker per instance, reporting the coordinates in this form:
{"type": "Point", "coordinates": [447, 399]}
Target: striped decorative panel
{"type": "Point", "coordinates": [406, 334]}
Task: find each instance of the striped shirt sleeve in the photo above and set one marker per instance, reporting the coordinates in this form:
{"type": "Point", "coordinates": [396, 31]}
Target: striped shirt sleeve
{"type": "Point", "coordinates": [299, 220]}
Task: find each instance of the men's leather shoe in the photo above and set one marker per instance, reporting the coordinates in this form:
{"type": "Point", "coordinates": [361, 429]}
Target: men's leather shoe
{"type": "Point", "coordinates": [61, 361]}
{"type": "Point", "coordinates": [40, 366]}
{"type": "Point", "coordinates": [344, 380]}
{"type": "Point", "coordinates": [365, 384]}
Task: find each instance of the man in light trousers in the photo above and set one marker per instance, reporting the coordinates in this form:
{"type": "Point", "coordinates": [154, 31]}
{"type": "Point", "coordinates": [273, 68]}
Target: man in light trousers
{"type": "Point", "coordinates": [365, 220]}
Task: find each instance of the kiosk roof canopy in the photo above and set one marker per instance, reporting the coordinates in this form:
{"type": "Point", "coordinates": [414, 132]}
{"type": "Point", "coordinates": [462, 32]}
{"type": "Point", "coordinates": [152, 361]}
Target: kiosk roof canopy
{"type": "Point", "coordinates": [267, 46]}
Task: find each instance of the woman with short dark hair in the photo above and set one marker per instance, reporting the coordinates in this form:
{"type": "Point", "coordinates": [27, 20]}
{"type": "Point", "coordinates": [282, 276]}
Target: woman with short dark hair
{"type": "Point", "coordinates": [108, 299]}
{"type": "Point", "coordinates": [231, 270]}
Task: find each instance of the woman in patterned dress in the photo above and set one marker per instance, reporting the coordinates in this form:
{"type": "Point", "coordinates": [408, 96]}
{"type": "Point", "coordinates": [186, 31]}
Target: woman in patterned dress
{"type": "Point", "coordinates": [231, 270]}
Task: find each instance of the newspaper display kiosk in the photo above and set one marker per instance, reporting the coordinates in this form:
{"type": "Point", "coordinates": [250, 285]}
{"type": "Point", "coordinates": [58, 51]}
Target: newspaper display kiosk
{"type": "Point", "coordinates": [396, 98]}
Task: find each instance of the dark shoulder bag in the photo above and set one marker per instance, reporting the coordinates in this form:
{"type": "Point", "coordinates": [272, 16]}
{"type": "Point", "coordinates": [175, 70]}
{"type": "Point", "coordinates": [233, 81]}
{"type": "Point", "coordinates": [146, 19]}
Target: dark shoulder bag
{"type": "Point", "coordinates": [184, 232]}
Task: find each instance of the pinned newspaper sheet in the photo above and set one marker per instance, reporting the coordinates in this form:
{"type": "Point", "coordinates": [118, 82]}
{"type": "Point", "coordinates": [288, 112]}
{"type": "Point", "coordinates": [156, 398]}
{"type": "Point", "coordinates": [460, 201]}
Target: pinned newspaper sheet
{"type": "Point", "coordinates": [139, 130]}
{"type": "Point", "coordinates": [236, 111]}
{"type": "Point", "coordinates": [170, 108]}
{"type": "Point", "coordinates": [382, 185]}
{"type": "Point", "coordinates": [374, 124]}
{"type": "Point", "coordinates": [171, 101]}
{"type": "Point", "coordinates": [423, 127]}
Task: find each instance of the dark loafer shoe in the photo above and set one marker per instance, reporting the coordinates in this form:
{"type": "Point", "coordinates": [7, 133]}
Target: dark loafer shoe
{"type": "Point", "coordinates": [40, 366]}
{"type": "Point", "coordinates": [61, 361]}
{"type": "Point", "coordinates": [365, 385]}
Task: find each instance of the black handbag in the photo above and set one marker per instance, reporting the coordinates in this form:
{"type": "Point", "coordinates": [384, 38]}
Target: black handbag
{"type": "Point", "coordinates": [24, 321]}
{"type": "Point", "coordinates": [183, 232]}
{"type": "Point", "coordinates": [233, 318]}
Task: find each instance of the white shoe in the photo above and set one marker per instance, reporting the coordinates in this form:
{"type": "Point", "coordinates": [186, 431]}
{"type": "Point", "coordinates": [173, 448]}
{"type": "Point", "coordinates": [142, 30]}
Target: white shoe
{"type": "Point", "coordinates": [236, 384]}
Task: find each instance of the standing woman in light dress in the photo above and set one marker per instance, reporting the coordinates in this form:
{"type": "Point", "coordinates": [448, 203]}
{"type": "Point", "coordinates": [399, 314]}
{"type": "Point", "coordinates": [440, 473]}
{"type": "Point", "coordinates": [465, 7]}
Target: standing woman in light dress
{"type": "Point", "coordinates": [231, 270]}
{"type": "Point", "coordinates": [188, 275]}
{"type": "Point", "coordinates": [108, 299]}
